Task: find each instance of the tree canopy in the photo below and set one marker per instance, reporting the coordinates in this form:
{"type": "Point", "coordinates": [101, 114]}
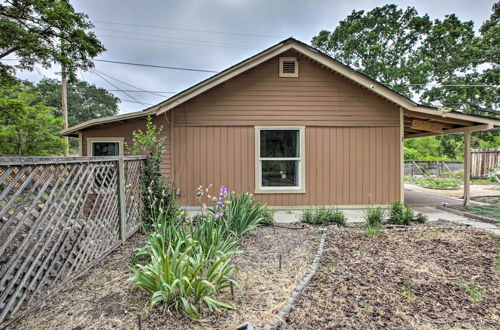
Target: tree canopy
{"type": "Point", "coordinates": [46, 32]}
{"type": "Point", "coordinates": [85, 101]}
{"type": "Point", "coordinates": [28, 127]}
{"type": "Point", "coordinates": [435, 62]}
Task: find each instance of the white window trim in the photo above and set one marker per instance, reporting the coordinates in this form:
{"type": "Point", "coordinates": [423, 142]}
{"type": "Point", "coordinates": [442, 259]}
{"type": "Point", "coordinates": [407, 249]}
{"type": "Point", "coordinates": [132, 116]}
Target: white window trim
{"type": "Point", "coordinates": [289, 75]}
{"type": "Point", "coordinates": [92, 140]}
{"type": "Point", "coordinates": [259, 189]}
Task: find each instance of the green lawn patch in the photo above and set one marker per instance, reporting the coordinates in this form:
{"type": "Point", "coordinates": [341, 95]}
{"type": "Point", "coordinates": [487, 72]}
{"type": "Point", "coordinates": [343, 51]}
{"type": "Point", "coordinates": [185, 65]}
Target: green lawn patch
{"type": "Point", "coordinates": [492, 211]}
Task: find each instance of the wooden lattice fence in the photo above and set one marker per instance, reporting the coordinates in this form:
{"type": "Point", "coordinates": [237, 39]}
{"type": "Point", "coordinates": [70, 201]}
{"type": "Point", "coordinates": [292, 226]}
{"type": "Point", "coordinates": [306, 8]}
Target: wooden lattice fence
{"type": "Point", "coordinates": [58, 216]}
{"type": "Point", "coordinates": [483, 161]}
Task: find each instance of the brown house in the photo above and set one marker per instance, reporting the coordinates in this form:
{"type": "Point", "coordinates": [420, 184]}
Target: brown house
{"type": "Point", "coordinates": [291, 125]}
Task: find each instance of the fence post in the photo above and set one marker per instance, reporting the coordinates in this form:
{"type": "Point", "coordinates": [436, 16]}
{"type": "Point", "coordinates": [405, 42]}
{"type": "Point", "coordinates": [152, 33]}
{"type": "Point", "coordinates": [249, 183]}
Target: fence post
{"type": "Point", "coordinates": [122, 200]}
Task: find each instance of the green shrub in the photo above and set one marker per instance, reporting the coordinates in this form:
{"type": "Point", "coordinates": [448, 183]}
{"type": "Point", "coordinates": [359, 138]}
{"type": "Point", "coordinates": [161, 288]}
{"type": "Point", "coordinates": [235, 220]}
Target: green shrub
{"type": "Point", "coordinates": [374, 216]}
{"type": "Point", "coordinates": [401, 214]}
{"type": "Point", "coordinates": [324, 215]}
{"type": "Point", "coordinates": [408, 215]}
{"type": "Point", "coordinates": [421, 218]}
{"type": "Point", "coordinates": [396, 213]}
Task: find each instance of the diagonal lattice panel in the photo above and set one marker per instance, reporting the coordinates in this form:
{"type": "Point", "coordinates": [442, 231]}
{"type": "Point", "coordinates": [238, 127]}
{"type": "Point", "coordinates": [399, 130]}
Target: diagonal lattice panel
{"type": "Point", "coordinates": [58, 216]}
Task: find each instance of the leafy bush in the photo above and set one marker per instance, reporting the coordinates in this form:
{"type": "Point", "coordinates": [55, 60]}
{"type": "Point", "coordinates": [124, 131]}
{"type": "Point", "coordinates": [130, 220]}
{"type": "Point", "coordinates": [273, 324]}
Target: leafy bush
{"type": "Point", "coordinates": [374, 217]}
{"type": "Point", "coordinates": [400, 214]}
{"type": "Point", "coordinates": [324, 215]}
{"type": "Point", "coordinates": [421, 218]}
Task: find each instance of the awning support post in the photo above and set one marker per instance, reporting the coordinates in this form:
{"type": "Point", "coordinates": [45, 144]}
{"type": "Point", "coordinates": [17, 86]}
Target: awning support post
{"type": "Point", "coordinates": [467, 167]}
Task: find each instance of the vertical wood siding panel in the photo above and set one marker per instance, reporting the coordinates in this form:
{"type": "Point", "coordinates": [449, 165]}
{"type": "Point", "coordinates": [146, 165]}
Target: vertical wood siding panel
{"type": "Point", "coordinates": [379, 188]}
{"type": "Point", "coordinates": [223, 157]}
{"type": "Point", "coordinates": [392, 164]}
{"type": "Point", "coordinates": [373, 166]}
{"type": "Point", "coordinates": [327, 166]}
{"type": "Point", "coordinates": [237, 160]}
{"type": "Point", "coordinates": [343, 165]}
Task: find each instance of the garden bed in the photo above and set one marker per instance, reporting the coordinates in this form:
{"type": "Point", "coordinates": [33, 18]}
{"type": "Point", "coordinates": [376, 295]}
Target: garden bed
{"type": "Point", "coordinates": [421, 279]}
{"type": "Point", "coordinates": [105, 299]}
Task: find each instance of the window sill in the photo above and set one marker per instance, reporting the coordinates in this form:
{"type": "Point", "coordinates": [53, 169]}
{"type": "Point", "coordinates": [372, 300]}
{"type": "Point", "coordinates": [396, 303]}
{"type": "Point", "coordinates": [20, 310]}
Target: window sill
{"type": "Point", "coordinates": [280, 191]}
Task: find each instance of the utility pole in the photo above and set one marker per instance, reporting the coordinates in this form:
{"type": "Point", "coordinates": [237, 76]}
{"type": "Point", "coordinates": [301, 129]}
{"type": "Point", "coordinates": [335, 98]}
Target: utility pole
{"type": "Point", "coordinates": [64, 106]}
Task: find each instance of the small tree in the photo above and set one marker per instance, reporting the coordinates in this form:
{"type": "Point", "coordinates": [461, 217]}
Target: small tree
{"type": "Point", "coordinates": [157, 190]}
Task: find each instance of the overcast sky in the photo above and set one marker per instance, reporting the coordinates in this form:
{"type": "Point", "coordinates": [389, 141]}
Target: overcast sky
{"type": "Point", "coordinates": [227, 31]}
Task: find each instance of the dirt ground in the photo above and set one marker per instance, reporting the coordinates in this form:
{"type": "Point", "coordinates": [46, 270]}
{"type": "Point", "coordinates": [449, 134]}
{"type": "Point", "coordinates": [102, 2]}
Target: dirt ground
{"type": "Point", "coordinates": [419, 280]}
{"type": "Point", "coordinates": [104, 299]}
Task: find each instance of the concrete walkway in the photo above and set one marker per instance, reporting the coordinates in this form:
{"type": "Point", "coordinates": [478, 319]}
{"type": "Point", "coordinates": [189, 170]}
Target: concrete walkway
{"type": "Point", "coordinates": [417, 196]}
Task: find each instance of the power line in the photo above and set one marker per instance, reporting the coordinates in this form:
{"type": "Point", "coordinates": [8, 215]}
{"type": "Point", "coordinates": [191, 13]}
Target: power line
{"type": "Point", "coordinates": [197, 41]}
{"type": "Point", "coordinates": [156, 66]}
{"type": "Point", "coordinates": [191, 30]}
{"type": "Point", "coordinates": [173, 42]}
{"type": "Point", "coordinates": [133, 98]}
{"type": "Point", "coordinates": [140, 89]}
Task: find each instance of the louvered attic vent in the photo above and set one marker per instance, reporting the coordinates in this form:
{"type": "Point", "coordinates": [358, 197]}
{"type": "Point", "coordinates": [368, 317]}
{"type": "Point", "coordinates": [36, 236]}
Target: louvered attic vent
{"type": "Point", "coordinates": [289, 67]}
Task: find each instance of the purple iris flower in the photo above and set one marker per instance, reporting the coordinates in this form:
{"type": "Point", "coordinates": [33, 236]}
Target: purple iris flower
{"type": "Point", "coordinates": [223, 191]}
{"type": "Point", "coordinates": [218, 214]}
{"type": "Point", "coordinates": [220, 202]}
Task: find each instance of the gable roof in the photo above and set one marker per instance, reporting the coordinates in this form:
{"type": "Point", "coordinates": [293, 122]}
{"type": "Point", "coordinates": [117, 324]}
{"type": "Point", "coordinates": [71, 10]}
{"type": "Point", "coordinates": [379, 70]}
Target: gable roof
{"type": "Point", "coordinates": [283, 46]}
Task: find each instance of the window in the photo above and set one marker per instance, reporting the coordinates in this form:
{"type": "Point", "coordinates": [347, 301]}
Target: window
{"type": "Point", "coordinates": [105, 146]}
{"type": "Point", "coordinates": [280, 159]}
{"type": "Point", "coordinates": [289, 67]}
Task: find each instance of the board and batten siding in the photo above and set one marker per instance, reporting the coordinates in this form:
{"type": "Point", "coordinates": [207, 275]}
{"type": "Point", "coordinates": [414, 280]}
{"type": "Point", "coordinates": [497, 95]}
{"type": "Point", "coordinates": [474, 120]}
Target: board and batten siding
{"type": "Point", "coordinates": [125, 130]}
{"type": "Point", "coordinates": [344, 165]}
{"type": "Point", "coordinates": [259, 96]}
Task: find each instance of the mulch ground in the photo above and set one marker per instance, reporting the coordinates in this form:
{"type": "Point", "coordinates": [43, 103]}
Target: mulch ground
{"type": "Point", "coordinates": [415, 279]}
{"type": "Point", "coordinates": [104, 299]}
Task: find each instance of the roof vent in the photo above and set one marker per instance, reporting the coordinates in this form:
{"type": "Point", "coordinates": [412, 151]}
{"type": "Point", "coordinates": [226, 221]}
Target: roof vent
{"type": "Point", "coordinates": [289, 67]}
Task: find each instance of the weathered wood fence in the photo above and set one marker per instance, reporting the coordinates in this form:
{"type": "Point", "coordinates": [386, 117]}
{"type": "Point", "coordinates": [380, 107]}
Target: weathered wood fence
{"type": "Point", "coordinates": [483, 160]}
{"type": "Point", "coordinates": [58, 217]}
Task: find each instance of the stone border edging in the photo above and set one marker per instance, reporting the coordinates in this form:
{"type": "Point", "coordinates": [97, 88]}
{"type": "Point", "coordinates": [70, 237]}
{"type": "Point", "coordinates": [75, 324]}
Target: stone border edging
{"type": "Point", "coordinates": [469, 215]}
{"type": "Point", "coordinates": [295, 296]}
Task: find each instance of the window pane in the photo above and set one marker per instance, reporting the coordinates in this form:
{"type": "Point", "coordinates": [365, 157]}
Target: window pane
{"type": "Point", "coordinates": [279, 143]}
{"type": "Point", "coordinates": [280, 173]}
{"type": "Point", "coordinates": [105, 149]}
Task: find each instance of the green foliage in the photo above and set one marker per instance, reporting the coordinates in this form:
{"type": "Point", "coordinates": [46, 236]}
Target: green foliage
{"type": "Point", "coordinates": [381, 43]}
{"type": "Point", "coordinates": [372, 231]}
{"type": "Point", "coordinates": [374, 217]}
{"type": "Point", "coordinates": [476, 292]}
{"type": "Point", "coordinates": [242, 214]}
{"type": "Point", "coordinates": [492, 210]}
{"type": "Point", "coordinates": [184, 264]}
{"type": "Point", "coordinates": [421, 218]}
{"type": "Point", "coordinates": [324, 215]}
{"type": "Point", "coordinates": [157, 190]}
{"type": "Point", "coordinates": [436, 183]}
{"type": "Point", "coordinates": [267, 216]}
{"type": "Point", "coordinates": [27, 126]}
{"type": "Point", "coordinates": [47, 32]}
{"type": "Point", "coordinates": [85, 101]}
{"type": "Point", "coordinates": [416, 56]}
{"type": "Point", "coordinates": [400, 214]}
